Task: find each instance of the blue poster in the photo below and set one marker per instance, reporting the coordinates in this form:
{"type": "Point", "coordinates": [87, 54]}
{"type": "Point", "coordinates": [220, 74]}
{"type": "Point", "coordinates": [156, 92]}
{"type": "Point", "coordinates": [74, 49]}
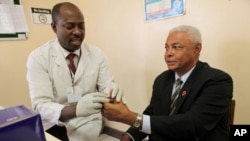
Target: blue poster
{"type": "Point", "coordinates": [159, 9]}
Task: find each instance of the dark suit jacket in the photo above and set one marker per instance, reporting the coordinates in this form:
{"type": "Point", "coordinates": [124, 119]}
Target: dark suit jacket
{"type": "Point", "coordinates": [202, 107]}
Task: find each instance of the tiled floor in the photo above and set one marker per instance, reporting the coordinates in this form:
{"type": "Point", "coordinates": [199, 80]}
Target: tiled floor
{"type": "Point", "coordinates": [105, 137]}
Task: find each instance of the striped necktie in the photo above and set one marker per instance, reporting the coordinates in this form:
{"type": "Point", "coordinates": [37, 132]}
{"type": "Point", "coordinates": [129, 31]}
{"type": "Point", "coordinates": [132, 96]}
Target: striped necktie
{"type": "Point", "coordinates": [71, 64]}
{"type": "Point", "coordinates": [175, 96]}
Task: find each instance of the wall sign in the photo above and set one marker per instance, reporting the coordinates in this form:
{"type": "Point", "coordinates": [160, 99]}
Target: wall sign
{"type": "Point", "coordinates": [159, 9]}
{"type": "Point", "coordinates": [41, 15]}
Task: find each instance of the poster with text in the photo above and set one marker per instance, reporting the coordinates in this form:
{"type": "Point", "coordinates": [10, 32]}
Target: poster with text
{"type": "Point", "coordinates": [160, 9]}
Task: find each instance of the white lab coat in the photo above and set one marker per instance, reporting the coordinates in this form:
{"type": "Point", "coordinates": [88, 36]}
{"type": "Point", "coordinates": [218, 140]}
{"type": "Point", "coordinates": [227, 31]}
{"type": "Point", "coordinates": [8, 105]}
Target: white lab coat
{"type": "Point", "coordinates": [50, 80]}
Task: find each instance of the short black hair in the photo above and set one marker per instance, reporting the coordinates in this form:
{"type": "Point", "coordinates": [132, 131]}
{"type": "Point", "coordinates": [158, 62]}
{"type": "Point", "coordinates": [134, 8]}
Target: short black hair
{"type": "Point", "coordinates": [56, 10]}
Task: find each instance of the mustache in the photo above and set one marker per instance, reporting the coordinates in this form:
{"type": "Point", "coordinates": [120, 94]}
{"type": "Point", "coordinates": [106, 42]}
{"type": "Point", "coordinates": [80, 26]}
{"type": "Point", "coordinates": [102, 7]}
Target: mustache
{"type": "Point", "coordinates": [76, 36]}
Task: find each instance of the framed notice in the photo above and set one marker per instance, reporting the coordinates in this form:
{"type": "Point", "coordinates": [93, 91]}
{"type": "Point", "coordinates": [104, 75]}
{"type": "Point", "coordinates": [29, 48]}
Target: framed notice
{"type": "Point", "coordinates": [13, 24]}
{"type": "Point", "coordinates": [41, 15]}
{"type": "Point", "coordinates": [160, 9]}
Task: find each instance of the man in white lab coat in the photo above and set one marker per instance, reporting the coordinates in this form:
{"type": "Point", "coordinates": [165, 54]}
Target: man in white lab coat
{"type": "Point", "coordinates": [70, 101]}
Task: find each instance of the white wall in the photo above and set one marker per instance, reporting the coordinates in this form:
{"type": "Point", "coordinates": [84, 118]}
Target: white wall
{"type": "Point", "coordinates": [135, 48]}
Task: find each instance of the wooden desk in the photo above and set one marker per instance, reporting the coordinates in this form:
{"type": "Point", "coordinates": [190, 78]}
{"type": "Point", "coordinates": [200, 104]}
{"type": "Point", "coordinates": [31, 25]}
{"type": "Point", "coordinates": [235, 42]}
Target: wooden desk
{"type": "Point", "coordinates": [47, 136]}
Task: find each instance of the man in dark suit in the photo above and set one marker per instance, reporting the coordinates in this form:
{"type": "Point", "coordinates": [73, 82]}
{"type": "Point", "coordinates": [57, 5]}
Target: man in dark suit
{"type": "Point", "coordinates": [200, 112]}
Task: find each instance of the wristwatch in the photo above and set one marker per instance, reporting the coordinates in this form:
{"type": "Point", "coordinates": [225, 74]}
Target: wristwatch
{"type": "Point", "coordinates": [138, 123]}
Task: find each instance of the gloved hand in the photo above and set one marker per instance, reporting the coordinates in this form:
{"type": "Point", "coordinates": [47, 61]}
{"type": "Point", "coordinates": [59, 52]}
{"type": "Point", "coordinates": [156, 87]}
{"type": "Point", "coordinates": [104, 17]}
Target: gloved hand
{"type": "Point", "coordinates": [117, 93]}
{"type": "Point", "coordinates": [90, 104]}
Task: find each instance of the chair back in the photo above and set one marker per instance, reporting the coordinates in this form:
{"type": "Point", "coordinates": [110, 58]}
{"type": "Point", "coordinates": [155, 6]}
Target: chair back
{"type": "Point", "coordinates": [231, 112]}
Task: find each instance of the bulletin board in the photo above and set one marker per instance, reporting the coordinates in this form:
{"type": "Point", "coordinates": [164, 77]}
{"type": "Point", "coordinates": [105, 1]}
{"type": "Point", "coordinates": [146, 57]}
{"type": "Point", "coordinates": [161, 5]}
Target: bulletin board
{"type": "Point", "coordinates": [14, 36]}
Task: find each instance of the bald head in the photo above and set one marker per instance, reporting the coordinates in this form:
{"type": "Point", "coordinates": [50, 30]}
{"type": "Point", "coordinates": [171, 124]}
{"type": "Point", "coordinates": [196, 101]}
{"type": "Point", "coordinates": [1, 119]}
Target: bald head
{"type": "Point", "coordinates": [56, 9]}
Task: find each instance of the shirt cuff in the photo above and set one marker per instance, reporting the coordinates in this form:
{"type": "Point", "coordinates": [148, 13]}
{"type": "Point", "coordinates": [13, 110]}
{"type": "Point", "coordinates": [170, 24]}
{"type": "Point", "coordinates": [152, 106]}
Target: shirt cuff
{"type": "Point", "coordinates": [146, 127]}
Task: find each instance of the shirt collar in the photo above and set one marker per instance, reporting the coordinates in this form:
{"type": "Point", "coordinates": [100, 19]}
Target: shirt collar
{"type": "Point", "coordinates": [66, 53]}
{"type": "Point", "coordinates": [185, 76]}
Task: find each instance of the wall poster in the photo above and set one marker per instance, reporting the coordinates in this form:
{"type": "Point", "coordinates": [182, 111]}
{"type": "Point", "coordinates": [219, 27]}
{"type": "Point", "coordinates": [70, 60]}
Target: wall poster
{"type": "Point", "coordinates": [160, 9]}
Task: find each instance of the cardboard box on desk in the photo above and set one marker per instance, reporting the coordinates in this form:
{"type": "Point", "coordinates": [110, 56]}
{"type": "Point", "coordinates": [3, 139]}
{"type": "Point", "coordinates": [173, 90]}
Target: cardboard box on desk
{"type": "Point", "coordinates": [20, 124]}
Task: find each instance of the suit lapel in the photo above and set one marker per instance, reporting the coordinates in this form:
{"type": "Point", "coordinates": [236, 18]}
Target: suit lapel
{"type": "Point", "coordinates": [187, 87]}
{"type": "Point", "coordinates": [184, 93]}
{"type": "Point", "coordinates": [167, 93]}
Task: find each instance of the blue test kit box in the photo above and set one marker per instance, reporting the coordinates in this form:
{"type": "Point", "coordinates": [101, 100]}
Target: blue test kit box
{"type": "Point", "coordinates": [20, 124]}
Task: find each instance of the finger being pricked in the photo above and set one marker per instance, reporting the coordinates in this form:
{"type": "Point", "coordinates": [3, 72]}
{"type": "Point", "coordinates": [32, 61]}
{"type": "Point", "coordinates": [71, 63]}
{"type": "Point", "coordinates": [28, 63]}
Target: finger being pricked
{"type": "Point", "coordinates": [112, 111]}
